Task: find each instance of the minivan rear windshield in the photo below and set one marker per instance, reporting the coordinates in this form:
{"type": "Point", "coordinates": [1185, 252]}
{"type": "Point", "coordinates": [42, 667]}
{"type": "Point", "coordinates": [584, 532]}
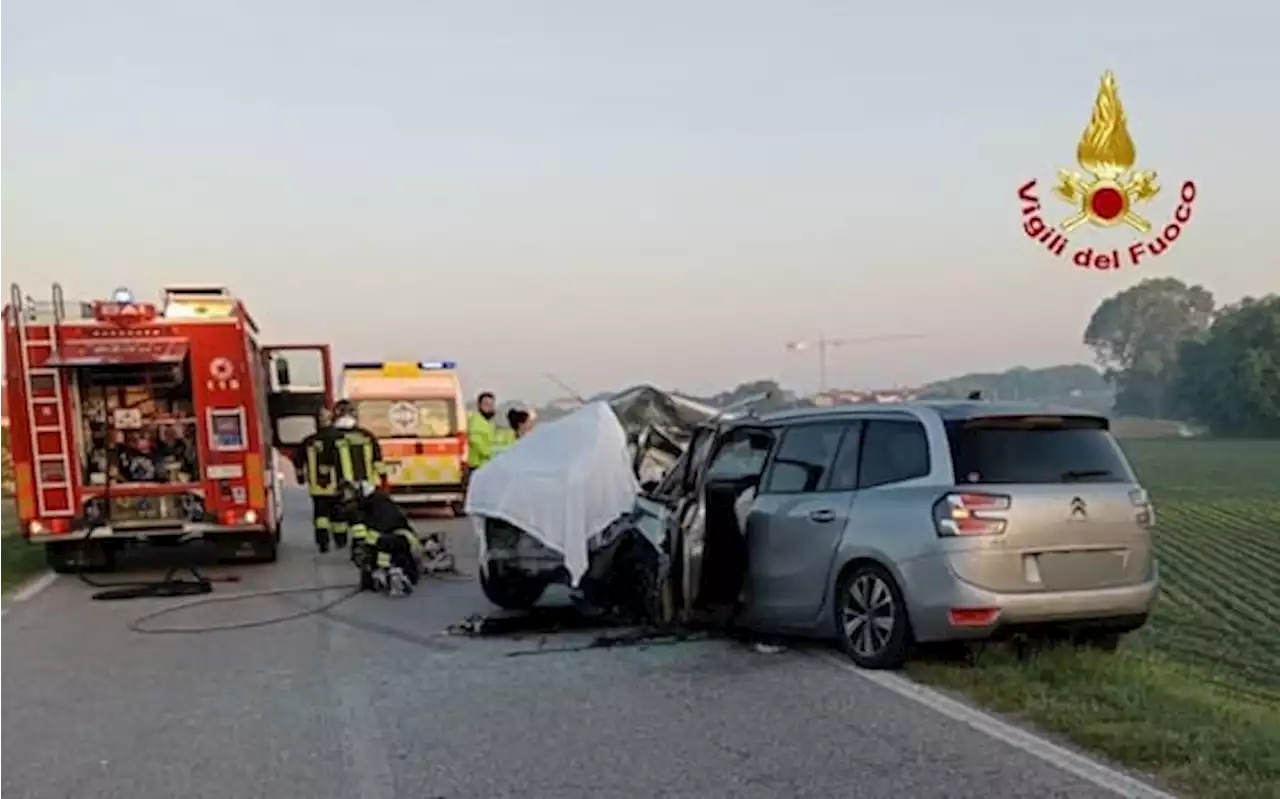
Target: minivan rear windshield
{"type": "Point", "coordinates": [1031, 449]}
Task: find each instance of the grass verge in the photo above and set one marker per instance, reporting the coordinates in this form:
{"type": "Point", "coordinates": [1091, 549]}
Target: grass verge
{"type": "Point", "coordinates": [1199, 733]}
{"type": "Point", "coordinates": [19, 561]}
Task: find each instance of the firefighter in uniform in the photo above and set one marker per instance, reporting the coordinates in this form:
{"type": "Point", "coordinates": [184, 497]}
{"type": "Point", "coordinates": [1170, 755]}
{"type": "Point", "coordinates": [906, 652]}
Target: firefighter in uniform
{"type": "Point", "coordinates": [315, 461]}
{"type": "Point", "coordinates": [359, 456]}
{"type": "Point", "coordinates": [384, 546]}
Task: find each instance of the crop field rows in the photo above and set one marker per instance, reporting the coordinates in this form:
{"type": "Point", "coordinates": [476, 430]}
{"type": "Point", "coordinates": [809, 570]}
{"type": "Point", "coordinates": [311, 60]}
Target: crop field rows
{"type": "Point", "coordinates": [1218, 540]}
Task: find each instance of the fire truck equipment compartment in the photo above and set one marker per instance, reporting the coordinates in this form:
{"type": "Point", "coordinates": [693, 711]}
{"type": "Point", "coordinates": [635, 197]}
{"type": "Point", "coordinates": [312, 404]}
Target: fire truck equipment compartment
{"type": "Point", "coordinates": [112, 351]}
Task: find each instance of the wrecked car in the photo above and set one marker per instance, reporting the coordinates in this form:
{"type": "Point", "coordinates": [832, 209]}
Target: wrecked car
{"type": "Point", "coordinates": [879, 527]}
{"type": "Point", "coordinates": [563, 504]}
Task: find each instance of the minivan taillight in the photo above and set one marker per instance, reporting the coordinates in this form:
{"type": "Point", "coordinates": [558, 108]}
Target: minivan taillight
{"type": "Point", "coordinates": [964, 514]}
{"type": "Point", "coordinates": [1143, 511]}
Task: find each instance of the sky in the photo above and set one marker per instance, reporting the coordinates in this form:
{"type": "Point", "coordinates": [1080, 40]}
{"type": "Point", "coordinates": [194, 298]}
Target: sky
{"type": "Point", "coordinates": [614, 193]}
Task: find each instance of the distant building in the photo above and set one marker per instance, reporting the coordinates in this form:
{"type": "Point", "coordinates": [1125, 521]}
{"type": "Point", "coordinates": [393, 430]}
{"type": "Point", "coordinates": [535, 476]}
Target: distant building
{"type": "Point", "coordinates": [832, 398]}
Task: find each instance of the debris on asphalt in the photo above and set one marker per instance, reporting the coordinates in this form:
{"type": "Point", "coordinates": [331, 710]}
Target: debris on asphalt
{"type": "Point", "coordinates": [642, 639]}
{"type": "Point", "coordinates": [768, 649]}
{"type": "Point", "coordinates": [537, 621]}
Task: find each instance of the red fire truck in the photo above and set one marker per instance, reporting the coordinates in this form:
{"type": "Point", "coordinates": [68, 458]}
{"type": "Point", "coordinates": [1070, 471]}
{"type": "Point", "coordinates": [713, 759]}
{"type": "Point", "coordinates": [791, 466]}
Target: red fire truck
{"type": "Point", "coordinates": [135, 422]}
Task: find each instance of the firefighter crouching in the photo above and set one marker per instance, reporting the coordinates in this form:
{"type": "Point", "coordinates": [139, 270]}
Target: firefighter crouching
{"type": "Point", "coordinates": [316, 464]}
{"type": "Point", "coordinates": [390, 556]}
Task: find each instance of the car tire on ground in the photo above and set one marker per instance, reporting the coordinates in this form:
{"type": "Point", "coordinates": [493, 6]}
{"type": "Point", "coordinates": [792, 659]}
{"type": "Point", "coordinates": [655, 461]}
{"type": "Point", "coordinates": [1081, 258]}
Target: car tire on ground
{"type": "Point", "coordinates": [510, 590]}
{"type": "Point", "coordinates": [871, 617]}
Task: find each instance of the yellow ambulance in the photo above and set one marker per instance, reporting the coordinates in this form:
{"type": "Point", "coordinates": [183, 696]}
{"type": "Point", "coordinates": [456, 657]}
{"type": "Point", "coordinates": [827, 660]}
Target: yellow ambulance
{"type": "Point", "coordinates": [419, 416]}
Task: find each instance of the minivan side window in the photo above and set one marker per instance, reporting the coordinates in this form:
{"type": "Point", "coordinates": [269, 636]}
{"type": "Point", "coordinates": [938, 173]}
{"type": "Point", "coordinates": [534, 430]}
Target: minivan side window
{"type": "Point", "coordinates": [844, 472]}
{"type": "Point", "coordinates": [893, 451]}
{"type": "Point", "coordinates": [804, 458]}
{"type": "Point", "coordinates": [742, 454]}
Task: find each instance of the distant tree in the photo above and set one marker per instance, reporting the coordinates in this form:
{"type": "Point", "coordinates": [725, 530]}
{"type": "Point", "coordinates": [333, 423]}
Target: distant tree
{"type": "Point", "coordinates": [1230, 379]}
{"type": "Point", "coordinates": [1078, 384]}
{"type": "Point", "coordinates": [1136, 336]}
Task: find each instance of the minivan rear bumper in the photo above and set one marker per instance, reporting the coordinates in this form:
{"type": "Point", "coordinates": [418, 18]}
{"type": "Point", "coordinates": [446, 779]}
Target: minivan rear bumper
{"type": "Point", "coordinates": [933, 591]}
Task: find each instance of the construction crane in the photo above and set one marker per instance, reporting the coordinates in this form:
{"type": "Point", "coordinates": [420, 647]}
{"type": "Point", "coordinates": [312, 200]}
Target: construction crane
{"type": "Point", "coordinates": [823, 345]}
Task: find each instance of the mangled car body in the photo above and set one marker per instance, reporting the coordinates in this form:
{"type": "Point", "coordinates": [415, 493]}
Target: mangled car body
{"type": "Point", "coordinates": [567, 504]}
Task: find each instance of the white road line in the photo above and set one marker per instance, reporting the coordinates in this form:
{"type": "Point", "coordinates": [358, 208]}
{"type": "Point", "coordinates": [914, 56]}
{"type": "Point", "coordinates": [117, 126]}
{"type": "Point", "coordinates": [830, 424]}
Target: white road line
{"type": "Point", "coordinates": [31, 589]}
{"type": "Point", "coordinates": [1071, 762]}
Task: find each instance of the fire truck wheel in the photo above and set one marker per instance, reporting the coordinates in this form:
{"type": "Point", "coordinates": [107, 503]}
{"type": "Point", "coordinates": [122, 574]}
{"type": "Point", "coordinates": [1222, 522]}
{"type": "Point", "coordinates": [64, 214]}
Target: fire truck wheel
{"type": "Point", "coordinates": [71, 557]}
{"type": "Point", "coordinates": [267, 551]}
{"type": "Point", "coordinates": [59, 558]}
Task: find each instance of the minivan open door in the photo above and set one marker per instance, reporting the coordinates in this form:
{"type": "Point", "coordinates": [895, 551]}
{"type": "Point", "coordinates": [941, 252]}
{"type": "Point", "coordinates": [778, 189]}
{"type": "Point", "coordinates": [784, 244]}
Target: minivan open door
{"type": "Point", "coordinates": [725, 464]}
{"type": "Point", "coordinates": [301, 384]}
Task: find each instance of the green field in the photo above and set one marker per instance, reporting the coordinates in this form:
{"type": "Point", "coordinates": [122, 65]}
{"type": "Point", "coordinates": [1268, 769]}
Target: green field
{"type": "Point", "coordinates": [1218, 513]}
{"type": "Point", "coordinates": [1195, 696]}
{"type": "Point", "coordinates": [19, 561]}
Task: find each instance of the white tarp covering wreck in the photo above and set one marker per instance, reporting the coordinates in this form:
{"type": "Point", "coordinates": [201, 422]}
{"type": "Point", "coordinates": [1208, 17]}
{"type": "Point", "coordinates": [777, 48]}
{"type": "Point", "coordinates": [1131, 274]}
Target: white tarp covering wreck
{"type": "Point", "coordinates": [562, 483]}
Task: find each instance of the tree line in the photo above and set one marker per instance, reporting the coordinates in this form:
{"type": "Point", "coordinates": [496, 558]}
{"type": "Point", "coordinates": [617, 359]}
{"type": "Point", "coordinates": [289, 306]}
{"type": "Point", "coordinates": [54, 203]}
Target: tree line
{"type": "Point", "coordinates": [1172, 353]}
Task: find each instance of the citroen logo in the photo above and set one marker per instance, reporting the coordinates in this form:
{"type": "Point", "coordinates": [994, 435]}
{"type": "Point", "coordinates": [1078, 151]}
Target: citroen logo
{"type": "Point", "coordinates": [1079, 510]}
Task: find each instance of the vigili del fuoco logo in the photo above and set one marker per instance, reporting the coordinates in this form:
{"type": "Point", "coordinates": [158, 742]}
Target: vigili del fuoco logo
{"type": "Point", "coordinates": [1110, 194]}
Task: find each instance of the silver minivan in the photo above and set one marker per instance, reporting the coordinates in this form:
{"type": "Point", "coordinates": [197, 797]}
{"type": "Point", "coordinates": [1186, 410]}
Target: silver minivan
{"type": "Point", "coordinates": [883, 525]}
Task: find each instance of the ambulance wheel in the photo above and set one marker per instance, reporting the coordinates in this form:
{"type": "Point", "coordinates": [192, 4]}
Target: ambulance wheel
{"type": "Point", "coordinates": [512, 590]}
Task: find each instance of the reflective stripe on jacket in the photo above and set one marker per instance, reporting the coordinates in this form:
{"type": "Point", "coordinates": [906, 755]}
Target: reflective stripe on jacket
{"type": "Point", "coordinates": [481, 435]}
{"type": "Point", "coordinates": [318, 458]}
{"type": "Point", "coordinates": [359, 456]}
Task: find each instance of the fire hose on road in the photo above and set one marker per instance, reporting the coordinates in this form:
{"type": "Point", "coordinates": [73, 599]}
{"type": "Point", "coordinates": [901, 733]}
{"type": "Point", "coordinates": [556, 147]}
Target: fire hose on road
{"type": "Point", "coordinates": [199, 585]}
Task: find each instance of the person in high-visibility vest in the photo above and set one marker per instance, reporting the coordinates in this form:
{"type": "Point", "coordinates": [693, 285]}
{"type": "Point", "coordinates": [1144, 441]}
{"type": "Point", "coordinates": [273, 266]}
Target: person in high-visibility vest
{"type": "Point", "coordinates": [482, 433]}
{"type": "Point", "coordinates": [519, 422]}
{"type": "Point", "coordinates": [316, 465]}
{"type": "Point", "coordinates": [359, 458]}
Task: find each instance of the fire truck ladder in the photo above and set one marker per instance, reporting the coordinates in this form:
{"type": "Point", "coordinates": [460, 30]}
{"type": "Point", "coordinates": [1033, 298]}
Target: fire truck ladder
{"type": "Point", "coordinates": [44, 410]}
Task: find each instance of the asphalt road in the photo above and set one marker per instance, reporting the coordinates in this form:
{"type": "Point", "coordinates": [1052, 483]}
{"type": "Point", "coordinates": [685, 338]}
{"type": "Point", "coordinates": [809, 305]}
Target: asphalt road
{"type": "Point", "coordinates": [374, 701]}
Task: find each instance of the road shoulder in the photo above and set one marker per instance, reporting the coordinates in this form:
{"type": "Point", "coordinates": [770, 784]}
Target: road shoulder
{"type": "Point", "coordinates": [1186, 726]}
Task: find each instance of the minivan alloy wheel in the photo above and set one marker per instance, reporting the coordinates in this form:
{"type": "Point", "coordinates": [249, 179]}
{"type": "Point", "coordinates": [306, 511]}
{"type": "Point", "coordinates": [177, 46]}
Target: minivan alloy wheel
{"type": "Point", "coordinates": [869, 616]}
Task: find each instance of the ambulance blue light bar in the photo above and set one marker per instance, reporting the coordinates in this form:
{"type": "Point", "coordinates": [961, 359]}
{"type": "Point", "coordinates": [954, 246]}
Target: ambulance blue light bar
{"type": "Point", "coordinates": [423, 365]}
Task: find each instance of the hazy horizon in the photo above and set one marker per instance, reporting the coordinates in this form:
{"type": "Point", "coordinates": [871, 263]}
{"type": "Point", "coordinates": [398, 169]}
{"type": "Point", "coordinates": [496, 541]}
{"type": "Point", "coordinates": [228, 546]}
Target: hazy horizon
{"type": "Point", "coordinates": [664, 193]}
